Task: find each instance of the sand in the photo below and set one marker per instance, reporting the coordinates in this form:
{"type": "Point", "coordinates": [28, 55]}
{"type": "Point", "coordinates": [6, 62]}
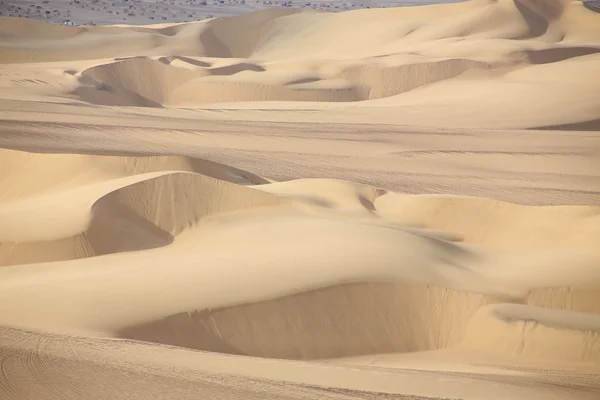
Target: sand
{"type": "Point", "coordinates": [291, 204]}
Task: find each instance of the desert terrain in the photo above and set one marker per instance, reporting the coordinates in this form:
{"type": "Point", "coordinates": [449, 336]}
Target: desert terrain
{"type": "Point", "coordinates": [143, 12]}
{"type": "Point", "coordinates": [385, 203]}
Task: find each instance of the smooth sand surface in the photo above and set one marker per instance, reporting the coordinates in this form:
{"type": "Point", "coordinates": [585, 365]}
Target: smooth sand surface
{"type": "Point", "coordinates": [376, 204]}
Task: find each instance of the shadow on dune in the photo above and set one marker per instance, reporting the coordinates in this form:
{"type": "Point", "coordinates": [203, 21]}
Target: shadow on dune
{"type": "Point", "coordinates": [114, 228]}
{"type": "Point", "coordinates": [386, 81]}
{"type": "Point", "coordinates": [341, 321]}
{"type": "Point", "coordinates": [144, 214]}
{"type": "Point", "coordinates": [548, 56]}
{"type": "Point", "coordinates": [197, 63]}
{"type": "Point", "coordinates": [593, 5]}
{"type": "Point", "coordinates": [105, 95]}
{"type": "Point", "coordinates": [215, 47]}
{"type": "Point", "coordinates": [356, 319]}
{"type": "Point", "coordinates": [125, 82]}
{"type": "Point", "coordinates": [137, 81]}
{"type": "Point", "coordinates": [128, 58]}
{"type": "Point", "coordinates": [238, 36]}
{"type": "Point", "coordinates": [593, 125]}
{"type": "Point", "coordinates": [236, 68]}
{"type": "Point", "coordinates": [539, 13]}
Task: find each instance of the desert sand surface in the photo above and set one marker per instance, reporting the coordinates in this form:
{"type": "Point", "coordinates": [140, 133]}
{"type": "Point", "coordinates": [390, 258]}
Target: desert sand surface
{"type": "Point", "coordinates": [398, 203]}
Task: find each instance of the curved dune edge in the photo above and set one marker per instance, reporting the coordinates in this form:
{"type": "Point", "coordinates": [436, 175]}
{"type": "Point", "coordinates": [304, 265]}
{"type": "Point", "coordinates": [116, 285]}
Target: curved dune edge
{"type": "Point", "coordinates": [534, 332]}
{"type": "Point", "coordinates": [292, 261]}
{"type": "Point", "coordinates": [452, 65]}
{"type": "Point", "coordinates": [128, 214]}
{"type": "Point", "coordinates": [109, 204]}
{"type": "Point", "coordinates": [397, 318]}
{"type": "Point", "coordinates": [277, 33]}
{"type": "Point", "coordinates": [54, 173]}
{"type": "Point", "coordinates": [124, 82]}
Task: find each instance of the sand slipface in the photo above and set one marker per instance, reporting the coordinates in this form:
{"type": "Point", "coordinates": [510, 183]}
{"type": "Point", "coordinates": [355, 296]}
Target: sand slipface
{"type": "Point", "coordinates": [388, 203]}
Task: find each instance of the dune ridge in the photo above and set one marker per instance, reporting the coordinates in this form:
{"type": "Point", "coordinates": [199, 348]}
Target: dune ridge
{"type": "Point", "coordinates": [261, 268]}
{"type": "Point", "coordinates": [410, 54]}
{"type": "Point", "coordinates": [115, 209]}
{"type": "Point", "coordinates": [457, 269]}
{"type": "Point", "coordinates": [124, 82]}
{"type": "Point", "coordinates": [535, 332]}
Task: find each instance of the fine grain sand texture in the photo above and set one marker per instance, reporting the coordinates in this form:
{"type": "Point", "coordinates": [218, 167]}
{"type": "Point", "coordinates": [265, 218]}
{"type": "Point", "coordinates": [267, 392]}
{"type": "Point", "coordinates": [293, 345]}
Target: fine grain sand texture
{"type": "Point", "coordinates": [398, 203]}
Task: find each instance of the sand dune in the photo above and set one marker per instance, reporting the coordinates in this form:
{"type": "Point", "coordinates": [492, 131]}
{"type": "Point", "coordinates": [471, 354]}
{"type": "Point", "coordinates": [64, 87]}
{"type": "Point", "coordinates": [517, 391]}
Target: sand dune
{"type": "Point", "coordinates": [535, 332]}
{"type": "Point", "coordinates": [124, 82]}
{"type": "Point", "coordinates": [56, 172]}
{"type": "Point", "coordinates": [127, 80]}
{"type": "Point", "coordinates": [172, 211]}
{"type": "Point", "coordinates": [294, 204]}
{"type": "Point", "coordinates": [364, 270]}
{"type": "Point", "coordinates": [114, 209]}
{"type": "Point", "coordinates": [470, 57]}
{"type": "Point", "coordinates": [114, 216]}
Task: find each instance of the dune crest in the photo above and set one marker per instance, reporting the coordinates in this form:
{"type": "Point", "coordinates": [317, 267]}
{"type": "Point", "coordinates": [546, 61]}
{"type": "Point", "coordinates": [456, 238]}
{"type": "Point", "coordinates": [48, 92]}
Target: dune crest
{"type": "Point", "coordinates": [124, 82]}
{"type": "Point", "coordinates": [535, 332]}
{"type": "Point", "coordinates": [114, 214]}
{"type": "Point", "coordinates": [456, 243]}
{"type": "Point", "coordinates": [409, 53]}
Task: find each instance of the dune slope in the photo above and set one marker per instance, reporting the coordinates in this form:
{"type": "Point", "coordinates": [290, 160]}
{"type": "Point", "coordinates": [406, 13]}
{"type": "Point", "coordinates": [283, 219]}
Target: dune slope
{"type": "Point", "coordinates": [262, 271]}
{"type": "Point", "coordinates": [470, 57]}
{"type": "Point", "coordinates": [195, 219]}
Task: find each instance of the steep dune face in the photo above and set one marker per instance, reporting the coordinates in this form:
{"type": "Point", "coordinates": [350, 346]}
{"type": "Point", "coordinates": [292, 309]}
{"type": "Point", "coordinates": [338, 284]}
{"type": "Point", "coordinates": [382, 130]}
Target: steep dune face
{"type": "Point", "coordinates": [540, 14]}
{"type": "Point", "coordinates": [383, 318]}
{"type": "Point", "coordinates": [229, 37]}
{"type": "Point", "coordinates": [262, 271]}
{"type": "Point", "coordinates": [125, 82]}
{"type": "Point", "coordinates": [239, 36]}
{"type": "Point", "coordinates": [535, 332]}
{"type": "Point", "coordinates": [132, 77]}
{"type": "Point", "coordinates": [111, 205]}
{"type": "Point", "coordinates": [418, 318]}
{"type": "Point", "coordinates": [116, 216]}
{"type": "Point", "coordinates": [59, 172]}
{"type": "Point", "coordinates": [64, 43]}
{"type": "Point", "coordinates": [393, 80]}
{"type": "Point", "coordinates": [407, 51]}
{"type": "Point", "coordinates": [290, 33]}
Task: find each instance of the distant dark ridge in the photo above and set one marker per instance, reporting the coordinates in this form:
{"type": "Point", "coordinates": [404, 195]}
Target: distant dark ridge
{"type": "Point", "coordinates": [593, 5]}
